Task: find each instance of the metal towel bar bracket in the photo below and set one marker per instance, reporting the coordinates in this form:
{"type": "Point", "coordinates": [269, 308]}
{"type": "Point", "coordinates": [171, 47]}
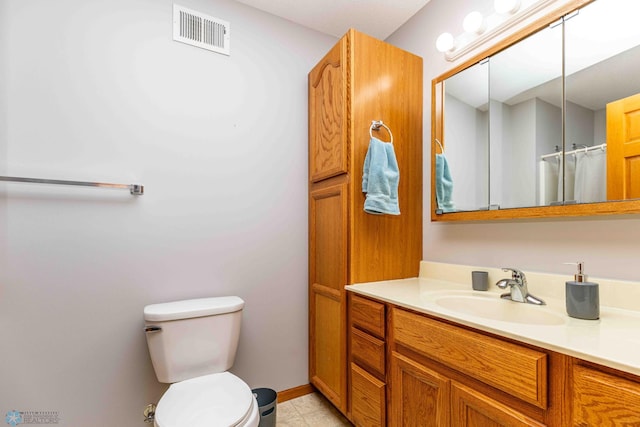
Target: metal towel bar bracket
{"type": "Point", "coordinates": [134, 189]}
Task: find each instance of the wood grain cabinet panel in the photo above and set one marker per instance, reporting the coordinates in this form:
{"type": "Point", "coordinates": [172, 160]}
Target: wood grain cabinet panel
{"type": "Point", "coordinates": [368, 406]}
{"type": "Point", "coordinates": [517, 370]}
{"type": "Point", "coordinates": [367, 398]}
{"type": "Point", "coordinates": [603, 399]}
{"type": "Point", "coordinates": [419, 396]}
{"type": "Point", "coordinates": [328, 351]}
{"type": "Point", "coordinates": [327, 302]}
{"type": "Point", "coordinates": [368, 315]}
{"type": "Point", "coordinates": [328, 236]}
{"type": "Point", "coordinates": [327, 115]}
{"type": "Point", "coordinates": [368, 351]}
{"type": "Point", "coordinates": [470, 408]}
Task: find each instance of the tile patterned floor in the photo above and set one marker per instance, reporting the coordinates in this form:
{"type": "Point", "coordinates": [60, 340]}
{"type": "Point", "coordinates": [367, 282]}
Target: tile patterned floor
{"type": "Point", "coordinates": [311, 410]}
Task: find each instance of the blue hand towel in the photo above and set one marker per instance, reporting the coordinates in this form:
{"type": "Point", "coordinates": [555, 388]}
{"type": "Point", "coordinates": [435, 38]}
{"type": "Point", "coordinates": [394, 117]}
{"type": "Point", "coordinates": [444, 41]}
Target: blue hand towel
{"type": "Point", "coordinates": [444, 184]}
{"type": "Point", "coordinates": [380, 179]}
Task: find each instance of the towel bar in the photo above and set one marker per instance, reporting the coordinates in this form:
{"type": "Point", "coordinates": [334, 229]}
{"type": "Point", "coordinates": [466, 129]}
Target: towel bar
{"type": "Point", "coordinates": [134, 189]}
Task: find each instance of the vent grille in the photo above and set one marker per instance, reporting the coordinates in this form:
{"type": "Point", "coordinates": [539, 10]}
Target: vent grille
{"type": "Point", "coordinates": [201, 30]}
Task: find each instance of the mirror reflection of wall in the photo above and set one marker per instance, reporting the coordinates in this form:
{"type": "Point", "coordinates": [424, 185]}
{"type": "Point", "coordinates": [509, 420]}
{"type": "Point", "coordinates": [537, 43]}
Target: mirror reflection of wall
{"type": "Point", "coordinates": [467, 127]}
{"type": "Point", "coordinates": [526, 115]}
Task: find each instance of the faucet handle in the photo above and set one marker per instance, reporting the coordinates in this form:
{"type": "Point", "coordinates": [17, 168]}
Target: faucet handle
{"type": "Point", "coordinates": [515, 273]}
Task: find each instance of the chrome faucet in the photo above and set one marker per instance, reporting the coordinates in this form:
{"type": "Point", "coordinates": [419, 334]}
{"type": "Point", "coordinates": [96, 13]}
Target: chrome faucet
{"type": "Point", "coordinates": [519, 291]}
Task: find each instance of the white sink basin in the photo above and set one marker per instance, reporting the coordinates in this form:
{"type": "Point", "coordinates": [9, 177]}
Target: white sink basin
{"type": "Point", "coordinates": [493, 307]}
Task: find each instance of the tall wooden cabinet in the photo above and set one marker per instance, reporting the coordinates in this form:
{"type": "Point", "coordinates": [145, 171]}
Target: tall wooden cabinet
{"type": "Point", "coordinates": [360, 79]}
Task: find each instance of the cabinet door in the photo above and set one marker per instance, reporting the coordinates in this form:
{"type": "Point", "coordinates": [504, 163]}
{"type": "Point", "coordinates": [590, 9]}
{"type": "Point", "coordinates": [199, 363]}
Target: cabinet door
{"type": "Point", "coordinates": [328, 115]}
{"type": "Point", "coordinates": [419, 396]}
{"type": "Point", "coordinates": [469, 408]}
{"type": "Point", "coordinates": [623, 149]}
{"type": "Point", "coordinates": [603, 399]}
{"type": "Point", "coordinates": [327, 297]}
{"type": "Point", "coordinates": [367, 398]}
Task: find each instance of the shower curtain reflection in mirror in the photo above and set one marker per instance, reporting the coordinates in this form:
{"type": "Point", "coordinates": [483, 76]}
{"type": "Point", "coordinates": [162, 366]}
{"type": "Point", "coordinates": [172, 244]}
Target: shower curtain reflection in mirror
{"type": "Point", "coordinates": [585, 173]}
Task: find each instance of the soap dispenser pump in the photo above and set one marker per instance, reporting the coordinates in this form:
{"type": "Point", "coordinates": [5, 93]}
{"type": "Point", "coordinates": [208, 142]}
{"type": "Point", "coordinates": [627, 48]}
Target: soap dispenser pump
{"type": "Point", "coordinates": [583, 297]}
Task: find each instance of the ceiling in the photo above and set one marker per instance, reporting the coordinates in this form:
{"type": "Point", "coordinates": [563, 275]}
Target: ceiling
{"type": "Point", "coordinates": [378, 18]}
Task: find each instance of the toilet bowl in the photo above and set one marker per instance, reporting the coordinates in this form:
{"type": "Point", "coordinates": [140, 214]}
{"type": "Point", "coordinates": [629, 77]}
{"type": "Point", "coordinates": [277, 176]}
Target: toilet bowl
{"type": "Point", "coordinates": [211, 400]}
{"type": "Point", "coordinates": [192, 344]}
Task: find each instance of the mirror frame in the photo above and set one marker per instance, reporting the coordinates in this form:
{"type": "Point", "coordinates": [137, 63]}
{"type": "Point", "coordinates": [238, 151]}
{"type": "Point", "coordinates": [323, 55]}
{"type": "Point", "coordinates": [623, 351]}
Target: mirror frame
{"type": "Point", "coordinates": [618, 207]}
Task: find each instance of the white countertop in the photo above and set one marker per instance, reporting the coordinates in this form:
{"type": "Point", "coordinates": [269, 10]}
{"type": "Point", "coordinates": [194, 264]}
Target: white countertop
{"type": "Point", "coordinates": [613, 340]}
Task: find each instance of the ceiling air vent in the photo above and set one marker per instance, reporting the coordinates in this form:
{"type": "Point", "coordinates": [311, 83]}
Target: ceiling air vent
{"type": "Point", "coordinates": [201, 30]}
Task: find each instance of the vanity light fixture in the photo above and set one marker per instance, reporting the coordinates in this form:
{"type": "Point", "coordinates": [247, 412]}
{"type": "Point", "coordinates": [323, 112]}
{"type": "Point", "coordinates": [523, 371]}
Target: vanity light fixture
{"type": "Point", "coordinates": [479, 29]}
{"type": "Point", "coordinates": [445, 42]}
{"type": "Point", "coordinates": [474, 23]}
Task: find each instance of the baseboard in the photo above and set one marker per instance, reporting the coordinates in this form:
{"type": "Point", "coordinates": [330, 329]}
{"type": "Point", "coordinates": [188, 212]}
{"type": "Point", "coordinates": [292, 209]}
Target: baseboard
{"type": "Point", "coordinates": [294, 392]}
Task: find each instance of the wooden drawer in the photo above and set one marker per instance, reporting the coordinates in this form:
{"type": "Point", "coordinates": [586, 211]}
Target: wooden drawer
{"type": "Point", "coordinates": [511, 368]}
{"type": "Point", "coordinates": [368, 351]}
{"type": "Point", "coordinates": [368, 315]}
{"type": "Point", "coordinates": [367, 398]}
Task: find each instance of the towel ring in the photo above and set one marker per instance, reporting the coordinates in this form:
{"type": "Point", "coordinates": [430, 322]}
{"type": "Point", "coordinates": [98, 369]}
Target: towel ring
{"type": "Point", "coordinates": [375, 125]}
{"type": "Point", "coordinates": [440, 145]}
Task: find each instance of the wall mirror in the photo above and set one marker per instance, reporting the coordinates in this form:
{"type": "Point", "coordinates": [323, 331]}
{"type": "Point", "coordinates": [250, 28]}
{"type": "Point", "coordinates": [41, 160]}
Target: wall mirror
{"type": "Point", "coordinates": [544, 125]}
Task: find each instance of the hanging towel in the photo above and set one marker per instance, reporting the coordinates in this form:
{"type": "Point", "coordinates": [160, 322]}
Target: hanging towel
{"type": "Point", "coordinates": [380, 179]}
{"type": "Point", "coordinates": [444, 184]}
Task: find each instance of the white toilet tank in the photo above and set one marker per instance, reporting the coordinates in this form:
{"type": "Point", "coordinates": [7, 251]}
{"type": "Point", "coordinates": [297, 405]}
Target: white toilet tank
{"type": "Point", "coordinates": [191, 338]}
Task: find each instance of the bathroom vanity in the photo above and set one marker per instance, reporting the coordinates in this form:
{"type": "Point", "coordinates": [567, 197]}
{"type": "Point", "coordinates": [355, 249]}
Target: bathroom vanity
{"type": "Point", "coordinates": [416, 359]}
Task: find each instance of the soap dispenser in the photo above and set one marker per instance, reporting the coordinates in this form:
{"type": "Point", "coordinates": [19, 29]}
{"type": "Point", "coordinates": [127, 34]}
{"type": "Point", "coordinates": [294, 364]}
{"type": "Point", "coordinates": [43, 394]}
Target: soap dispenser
{"type": "Point", "coordinates": [583, 298]}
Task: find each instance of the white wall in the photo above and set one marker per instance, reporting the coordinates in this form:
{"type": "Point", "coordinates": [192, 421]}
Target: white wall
{"type": "Point", "coordinates": [608, 245]}
{"type": "Point", "coordinates": [600, 126]}
{"type": "Point", "coordinates": [548, 137]}
{"type": "Point", "coordinates": [518, 150]}
{"type": "Point", "coordinates": [4, 65]}
{"type": "Point", "coordinates": [548, 128]}
{"type": "Point", "coordinates": [98, 90]}
{"type": "Point", "coordinates": [499, 179]}
{"type": "Point", "coordinates": [580, 129]}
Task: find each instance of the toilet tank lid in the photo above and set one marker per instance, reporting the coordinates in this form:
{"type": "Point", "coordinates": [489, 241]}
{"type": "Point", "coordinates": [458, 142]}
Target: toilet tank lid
{"type": "Point", "coordinates": [186, 309]}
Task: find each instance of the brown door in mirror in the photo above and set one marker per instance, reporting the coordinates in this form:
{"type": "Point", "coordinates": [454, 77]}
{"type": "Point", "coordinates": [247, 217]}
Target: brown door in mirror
{"type": "Point", "coordinates": [623, 148]}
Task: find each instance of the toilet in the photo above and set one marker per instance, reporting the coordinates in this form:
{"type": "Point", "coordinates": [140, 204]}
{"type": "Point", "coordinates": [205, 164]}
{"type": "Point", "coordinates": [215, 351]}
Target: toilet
{"type": "Point", "coordinates": [192, 344]}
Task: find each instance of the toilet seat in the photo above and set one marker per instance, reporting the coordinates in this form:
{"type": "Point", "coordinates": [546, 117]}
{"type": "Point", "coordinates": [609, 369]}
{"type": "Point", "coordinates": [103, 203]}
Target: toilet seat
{"type": "Point", "coordinates": [214, 400]}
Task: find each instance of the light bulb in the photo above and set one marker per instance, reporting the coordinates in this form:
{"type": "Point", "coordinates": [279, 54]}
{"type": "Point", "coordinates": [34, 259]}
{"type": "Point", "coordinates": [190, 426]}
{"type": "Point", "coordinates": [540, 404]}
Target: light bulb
{"type": "Point", "coordinates": [444, 42]}
{"type": "Point", "coordinates": [506, 7]}
{"type": "Point", "coordinates": [474, 23]}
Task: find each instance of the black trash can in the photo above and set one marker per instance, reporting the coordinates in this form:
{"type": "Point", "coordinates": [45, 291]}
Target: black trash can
{"type": "Point", "coordinates": [266, 406]}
